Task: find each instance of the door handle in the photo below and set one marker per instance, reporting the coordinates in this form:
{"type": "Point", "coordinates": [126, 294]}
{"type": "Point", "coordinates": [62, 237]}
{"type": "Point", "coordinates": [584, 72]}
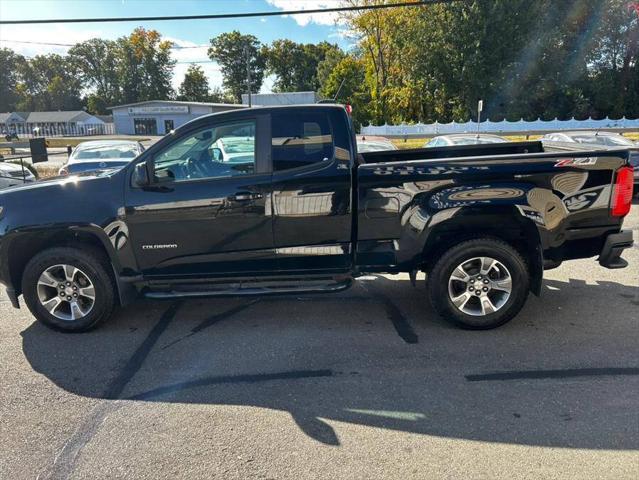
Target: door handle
{"type": "Point", "coordinates": [245, 196]}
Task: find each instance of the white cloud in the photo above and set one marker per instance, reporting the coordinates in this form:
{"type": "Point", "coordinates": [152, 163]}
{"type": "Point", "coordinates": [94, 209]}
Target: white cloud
{"type": "Point", "coordinates": [330, 18]}
{"type": "Point", "coordinates": [185, 56]}
{"type": "Point", "coordinates": [43, 33]}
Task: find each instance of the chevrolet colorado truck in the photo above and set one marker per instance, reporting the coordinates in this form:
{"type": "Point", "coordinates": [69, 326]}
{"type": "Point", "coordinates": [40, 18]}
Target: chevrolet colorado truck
{"type": "Point", "coordinates": [289, 206]}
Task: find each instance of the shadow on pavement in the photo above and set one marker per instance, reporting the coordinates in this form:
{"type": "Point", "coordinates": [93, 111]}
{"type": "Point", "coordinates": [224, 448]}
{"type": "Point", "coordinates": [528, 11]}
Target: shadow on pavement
{"type": "Point", "coordinates": [321, 359]}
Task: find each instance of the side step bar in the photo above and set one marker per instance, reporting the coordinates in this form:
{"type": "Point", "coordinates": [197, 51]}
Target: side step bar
{"type": "Point", "coordinates": [245, 288]}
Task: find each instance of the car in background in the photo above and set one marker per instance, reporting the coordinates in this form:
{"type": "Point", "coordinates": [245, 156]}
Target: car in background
{"type": "Point", "coordinates": [602, 139]}
{"type": "Point", "coordinates": [234, 149]}
{"type": "Point", "coordinates": [366, 143]}
{"type": "Point", "coordinates": [12, 174]}
{"type": "Point", "coordinates": [463, 139]}
{"type": "Point", "coordinates": [101, 155]}
{"type": "Point", "coordinates": [606, 139]}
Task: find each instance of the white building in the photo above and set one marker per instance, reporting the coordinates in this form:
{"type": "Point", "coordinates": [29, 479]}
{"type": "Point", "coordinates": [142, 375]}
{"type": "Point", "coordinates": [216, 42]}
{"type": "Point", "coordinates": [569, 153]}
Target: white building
{"type": "Point", "coordinates": [77, 122]}
{"type": "Point", "coordinates": [283, 98]}
{"type": "Point", "coordinates": [159, 117]}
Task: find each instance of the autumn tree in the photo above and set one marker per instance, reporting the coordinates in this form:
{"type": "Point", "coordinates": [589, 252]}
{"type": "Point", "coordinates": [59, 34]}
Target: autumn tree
{"type": "Point", "coordinates": [145, 66]}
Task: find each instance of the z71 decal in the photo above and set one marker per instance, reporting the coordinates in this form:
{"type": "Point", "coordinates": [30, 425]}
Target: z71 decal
{"type": "Point", "coordinates": [569, 162]}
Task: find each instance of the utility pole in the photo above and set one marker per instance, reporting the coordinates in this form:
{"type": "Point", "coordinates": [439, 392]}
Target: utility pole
{"type": "Point", "coordinates": [248, 73]}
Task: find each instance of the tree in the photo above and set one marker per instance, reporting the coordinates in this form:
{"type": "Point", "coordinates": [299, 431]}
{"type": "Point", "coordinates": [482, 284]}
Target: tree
{"type": "Point", "coordinates": [295, 64]}
{"type": "Point", "coordinates": [327, 65]}
{"type": "Point", "coordinates": [195, 86]}
{"type": "Point", "coordinates": [230, 51]}
{"type": "Point", "coordinates": [48, 82]}
{"type": "Point", "coordinates": [350, 74]}
{"type": "Point", "coordinates": [218, 95]}
{"type": "Point", "coordinates": [144, 66]}
{"type": "Point", "coordinates": [10, 65]}
{"type": "Point", "coordinates": [97, 63]}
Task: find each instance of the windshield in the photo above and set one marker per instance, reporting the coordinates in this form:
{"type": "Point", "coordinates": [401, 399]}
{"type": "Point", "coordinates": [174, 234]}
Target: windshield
{"type": "Point", "coordinates": [106, 152]}
{"type": "Point", "coordinates": [608, 140]}
{"type": "Point", "coordinates": [476, 141]}
{"type": "Point", "coordinates": [363, 147]}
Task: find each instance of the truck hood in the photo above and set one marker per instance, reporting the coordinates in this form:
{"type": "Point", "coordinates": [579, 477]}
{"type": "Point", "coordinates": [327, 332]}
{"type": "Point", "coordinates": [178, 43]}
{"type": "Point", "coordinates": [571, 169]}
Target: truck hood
{"type": "Point", "coordinates": [67, 181]}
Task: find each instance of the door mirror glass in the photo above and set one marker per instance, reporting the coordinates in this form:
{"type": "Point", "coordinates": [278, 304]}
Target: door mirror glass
{"type": "Point", "coordinates": [140, 175]}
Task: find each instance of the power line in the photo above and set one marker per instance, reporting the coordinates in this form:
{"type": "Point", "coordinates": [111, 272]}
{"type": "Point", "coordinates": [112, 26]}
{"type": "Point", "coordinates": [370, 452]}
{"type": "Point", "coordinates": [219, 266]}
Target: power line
{"type": "Point", "coordinates": [417, 3]}
{"type": "Point", "coordinates": [53, 44]}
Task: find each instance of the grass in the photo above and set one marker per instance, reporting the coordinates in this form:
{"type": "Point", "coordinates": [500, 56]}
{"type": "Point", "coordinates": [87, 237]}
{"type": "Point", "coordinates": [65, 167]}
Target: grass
{"type": "Point", "coordinates": [57, 142]}
{"type": "Point", "coordinates": [46, 171]}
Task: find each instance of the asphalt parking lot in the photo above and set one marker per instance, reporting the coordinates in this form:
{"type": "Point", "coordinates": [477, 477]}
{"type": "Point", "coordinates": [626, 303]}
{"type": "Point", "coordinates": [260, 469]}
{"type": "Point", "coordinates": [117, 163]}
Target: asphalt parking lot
{"type": "Point", "coordinates": [364, 384]}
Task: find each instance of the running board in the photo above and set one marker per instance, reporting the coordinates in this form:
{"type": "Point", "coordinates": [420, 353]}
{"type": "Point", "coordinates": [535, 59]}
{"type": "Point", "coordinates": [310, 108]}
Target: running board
{"type": "Point", "coordinates": [253, 288]}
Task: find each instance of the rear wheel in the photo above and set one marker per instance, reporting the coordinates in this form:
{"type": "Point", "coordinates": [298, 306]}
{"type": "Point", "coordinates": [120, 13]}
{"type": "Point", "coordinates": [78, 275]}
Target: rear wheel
{"type": "Point", "coordinates": [479, 284]}
{"type": "Point", "coordinates": [69, 289]}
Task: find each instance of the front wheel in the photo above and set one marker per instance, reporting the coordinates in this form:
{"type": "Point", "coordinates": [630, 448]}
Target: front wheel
{"type": "Point", "coordinates": [479, 284]}
{"type": "Point", "coordinates": [69, 289]}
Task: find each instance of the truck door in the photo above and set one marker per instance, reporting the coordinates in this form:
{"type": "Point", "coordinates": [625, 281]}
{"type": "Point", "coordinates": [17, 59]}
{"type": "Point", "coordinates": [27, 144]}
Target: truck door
{"type": "Point", "coordinates": [312, 206]}
{"type": "Point", "coordinates": [207, 210]}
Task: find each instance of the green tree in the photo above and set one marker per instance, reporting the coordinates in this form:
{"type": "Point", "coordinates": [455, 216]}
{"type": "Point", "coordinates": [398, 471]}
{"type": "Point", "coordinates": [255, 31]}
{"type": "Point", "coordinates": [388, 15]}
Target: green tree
{"type": "Point", "coordinates": [218, 95]}
{"type": "Point", "coordinates": [327, 65]}
{"type": "Point", "coordinates": [295, 64]}
{"type": "Point", "coordinates": [48, 82]}
{"type": "Point", "coordinates": [195, 86]}
{"type": "Point", "coordinates": [230, 51]}
{"type": "Point", "coordinates": [349, 74]}
{"type": "Point", "coordinates": [10, 65]}
{"type": "Point", "coordinates": [97, 61]}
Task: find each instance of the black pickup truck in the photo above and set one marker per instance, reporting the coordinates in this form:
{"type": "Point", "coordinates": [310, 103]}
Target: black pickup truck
{"type": "Point", "coordinates": [278, 201]}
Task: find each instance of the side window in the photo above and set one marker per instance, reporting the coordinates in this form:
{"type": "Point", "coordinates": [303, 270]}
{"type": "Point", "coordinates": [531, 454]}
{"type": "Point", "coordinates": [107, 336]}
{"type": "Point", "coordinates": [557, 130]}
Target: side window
{"type": "Point", "coordinates": [217, 151]}
{"type": "Point", "coordinates": [300, 139]}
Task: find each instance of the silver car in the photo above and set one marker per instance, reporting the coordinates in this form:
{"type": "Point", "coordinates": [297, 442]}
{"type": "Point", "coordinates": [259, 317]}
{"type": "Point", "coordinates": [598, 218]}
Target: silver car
{"type": "Point", "coordinates": [463, 139]}
{"type": "Point", "coordinates": [12, 174]}
{"type": "Point", "coordinates": [367, 143]}
{"type": "Point", "coordinates": [606, 139]}
{"type": "Point", "coordinates": [100, 155]}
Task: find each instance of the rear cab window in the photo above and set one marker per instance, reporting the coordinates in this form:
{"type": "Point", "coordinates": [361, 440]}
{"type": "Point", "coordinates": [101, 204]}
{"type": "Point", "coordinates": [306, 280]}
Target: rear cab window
{"type": "Point", "coordinates": [300, 139]}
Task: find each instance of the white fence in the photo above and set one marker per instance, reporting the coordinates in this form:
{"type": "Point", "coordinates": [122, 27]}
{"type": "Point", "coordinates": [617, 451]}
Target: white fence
{"type": "Point", "coordinates": [28, 130]}
{"type": "Point", "coordinates": [505, 126]}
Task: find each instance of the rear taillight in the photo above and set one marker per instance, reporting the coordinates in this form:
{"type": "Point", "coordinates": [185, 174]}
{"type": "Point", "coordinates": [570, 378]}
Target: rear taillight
{"type": "Point", "coordinates": [349, 109]}
{"type": "Point", "coordinates": [622, 192]}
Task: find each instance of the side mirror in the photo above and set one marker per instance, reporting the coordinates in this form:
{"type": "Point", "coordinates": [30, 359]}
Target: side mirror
{"type": "Point", "coordinates": [141, 175]}
{"type": "Point", "coordinates": [217, 154]}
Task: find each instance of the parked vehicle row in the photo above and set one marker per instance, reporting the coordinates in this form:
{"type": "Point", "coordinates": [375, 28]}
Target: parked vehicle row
{"type": "Point", "coordinates": [301, 210]}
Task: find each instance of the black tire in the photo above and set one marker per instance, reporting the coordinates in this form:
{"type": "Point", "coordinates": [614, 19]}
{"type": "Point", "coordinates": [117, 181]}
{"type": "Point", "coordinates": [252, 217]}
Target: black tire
{"type": "Point", "coordinates": [93, 264]}
{"type": "Point", "coordinates": [438, 282]}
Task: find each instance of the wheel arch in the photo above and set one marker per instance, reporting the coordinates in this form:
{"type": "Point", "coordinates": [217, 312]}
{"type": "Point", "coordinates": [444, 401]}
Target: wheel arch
{"type": "Point", "coordinates": [25, 245]}
{"type": "Point", "coordinates": [511, 228]}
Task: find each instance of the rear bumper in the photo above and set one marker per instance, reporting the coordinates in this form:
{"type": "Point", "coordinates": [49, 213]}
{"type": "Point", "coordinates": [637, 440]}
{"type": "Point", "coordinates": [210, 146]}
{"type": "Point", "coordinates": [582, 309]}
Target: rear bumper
{"type": "Point", "coordinates": [615, 244]}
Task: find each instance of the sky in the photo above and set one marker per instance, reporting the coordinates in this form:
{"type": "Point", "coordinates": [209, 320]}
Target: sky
{"type": "Point", "coordinates": [308, 28]}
